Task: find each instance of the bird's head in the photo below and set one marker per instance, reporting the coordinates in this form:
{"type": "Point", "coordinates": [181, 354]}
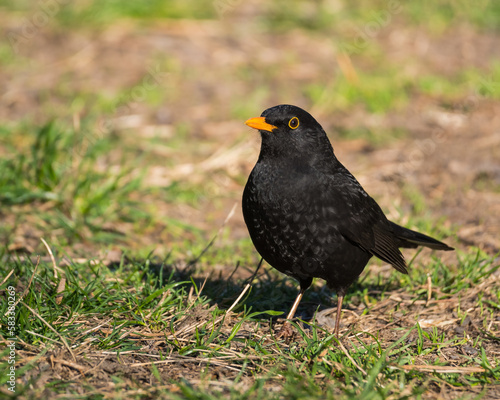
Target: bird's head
{"type": "Point", "coordinates": [290, 132]}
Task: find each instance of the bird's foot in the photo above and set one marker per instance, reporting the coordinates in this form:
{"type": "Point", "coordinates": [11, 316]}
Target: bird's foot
{"type": "Point", "coordinates": [286, 332]}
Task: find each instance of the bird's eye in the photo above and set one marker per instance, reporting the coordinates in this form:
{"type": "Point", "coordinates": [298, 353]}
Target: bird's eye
{"type": "Point", "coordinates": [293, 123]}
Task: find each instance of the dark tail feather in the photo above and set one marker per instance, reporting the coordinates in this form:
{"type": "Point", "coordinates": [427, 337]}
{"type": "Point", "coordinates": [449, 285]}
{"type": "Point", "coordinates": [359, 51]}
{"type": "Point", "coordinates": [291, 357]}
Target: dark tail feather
{"type": "Point", "coordinates": [411, 239]}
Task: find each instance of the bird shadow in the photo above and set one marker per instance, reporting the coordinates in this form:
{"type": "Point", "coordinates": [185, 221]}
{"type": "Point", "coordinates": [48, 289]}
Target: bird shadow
{"type": "Point", "coordinates": [268, 289]}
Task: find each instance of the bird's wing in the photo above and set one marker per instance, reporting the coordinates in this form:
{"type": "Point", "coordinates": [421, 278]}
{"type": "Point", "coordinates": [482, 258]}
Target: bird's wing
{"type": "Point", "coordinates": [361, 221]}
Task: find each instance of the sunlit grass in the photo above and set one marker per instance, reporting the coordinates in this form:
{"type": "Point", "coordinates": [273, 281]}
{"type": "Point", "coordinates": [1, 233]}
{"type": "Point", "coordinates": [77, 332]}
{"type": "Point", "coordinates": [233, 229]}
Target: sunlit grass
{"type": "Point", "coordinates": [112, 309]}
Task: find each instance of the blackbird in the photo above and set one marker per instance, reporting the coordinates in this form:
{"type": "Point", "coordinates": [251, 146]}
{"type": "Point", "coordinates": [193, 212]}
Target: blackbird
{"type": "Point", "coordinates": [308, 216]}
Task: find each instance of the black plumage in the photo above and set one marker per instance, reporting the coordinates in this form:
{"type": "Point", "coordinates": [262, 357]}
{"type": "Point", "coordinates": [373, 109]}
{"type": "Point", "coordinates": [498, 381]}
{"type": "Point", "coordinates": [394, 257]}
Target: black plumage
{"type": "Point", "coordinates": [308, 216]}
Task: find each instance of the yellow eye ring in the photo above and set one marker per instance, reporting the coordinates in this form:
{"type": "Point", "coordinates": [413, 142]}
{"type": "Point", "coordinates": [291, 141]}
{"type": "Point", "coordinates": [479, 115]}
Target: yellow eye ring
{"type": "Point", "coordinates": [294, 123]}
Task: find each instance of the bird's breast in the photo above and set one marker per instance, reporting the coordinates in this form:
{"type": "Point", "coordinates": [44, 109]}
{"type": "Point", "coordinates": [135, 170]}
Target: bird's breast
{"type": "Point", "coordinates": [287, 223]}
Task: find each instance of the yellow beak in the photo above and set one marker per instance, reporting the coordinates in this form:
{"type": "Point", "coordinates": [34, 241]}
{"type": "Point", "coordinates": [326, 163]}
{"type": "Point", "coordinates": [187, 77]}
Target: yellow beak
{"type": "Point", "coordinates": [260, 124]}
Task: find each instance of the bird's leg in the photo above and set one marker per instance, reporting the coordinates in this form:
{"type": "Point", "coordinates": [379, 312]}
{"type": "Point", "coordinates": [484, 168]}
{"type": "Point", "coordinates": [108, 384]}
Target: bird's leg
{"type": "Point", "coordinates": [295, 305]}
{"type": "Point", "coordinates": [286, 330]}
{"type": "Point", "coordinates": [340, 298]}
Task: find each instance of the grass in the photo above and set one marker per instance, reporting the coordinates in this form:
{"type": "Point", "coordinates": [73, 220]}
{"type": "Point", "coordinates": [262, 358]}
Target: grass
{"type": "Point", "coordinates": [373, 92]}
{"type": "Point", "coordinates": [436, 16]}
{"type": "Point", "coordinates": [83, 186]}
{"type": "Point", "coordinates": [150, 314]}
{"type": "Point", "coordinates": [129, 180]}
{"type": "Point", "coordinates": [58, 169]}
{"type": "Point", "coordinates": [93, 13]}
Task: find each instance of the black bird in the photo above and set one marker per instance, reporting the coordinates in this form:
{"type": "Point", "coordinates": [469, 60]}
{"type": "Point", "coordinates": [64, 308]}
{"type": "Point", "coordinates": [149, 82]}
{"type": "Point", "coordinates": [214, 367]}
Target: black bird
{"type": "Point", "coordinates": [308, 216]}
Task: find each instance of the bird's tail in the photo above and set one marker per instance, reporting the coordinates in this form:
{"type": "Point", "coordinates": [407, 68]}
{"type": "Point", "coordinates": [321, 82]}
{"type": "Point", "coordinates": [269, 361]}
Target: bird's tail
{"type": "Point", "coordinates": [411, 239]}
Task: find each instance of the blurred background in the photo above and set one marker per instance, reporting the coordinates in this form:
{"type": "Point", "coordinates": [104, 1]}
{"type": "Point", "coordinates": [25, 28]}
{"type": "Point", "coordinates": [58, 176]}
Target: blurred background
{"type": "Point", "coordinates": [122, 123]}
{"type": "Point", "coordinates": [123, 146]}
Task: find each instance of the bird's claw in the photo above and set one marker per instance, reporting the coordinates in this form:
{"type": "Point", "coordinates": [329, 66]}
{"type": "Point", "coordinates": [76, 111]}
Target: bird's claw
{"type": "Point", "coordinates": [286, 332]}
